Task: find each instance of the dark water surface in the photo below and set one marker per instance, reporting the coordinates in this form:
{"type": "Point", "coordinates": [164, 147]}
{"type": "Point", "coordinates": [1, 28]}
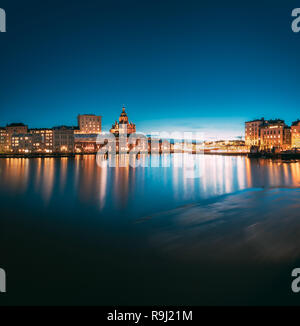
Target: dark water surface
{"type": "Point", "coordinates": [74, 233]}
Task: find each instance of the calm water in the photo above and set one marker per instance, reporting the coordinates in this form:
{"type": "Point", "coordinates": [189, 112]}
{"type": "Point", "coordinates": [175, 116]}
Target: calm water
{"type": "Point", "coordinates": [74, 233]}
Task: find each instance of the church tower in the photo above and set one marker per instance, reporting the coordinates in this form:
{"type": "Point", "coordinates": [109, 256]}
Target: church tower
{"type": "Point", "coordinates": [123, 126]}
{"type": "Point", "coordinates": [123, 117]}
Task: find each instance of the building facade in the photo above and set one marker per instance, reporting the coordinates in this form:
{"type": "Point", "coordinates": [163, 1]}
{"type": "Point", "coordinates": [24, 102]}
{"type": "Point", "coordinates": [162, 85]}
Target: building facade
{"type": "Point", "coordinates": [295, 134]}
{"type": "Point", "coordinates": [21, 143]}
{"type": "Point", "coordinates": [275, 135]}
{"type": "Point", "coordinates": [269, 135]}
{"type": "Point", "coordinates": [252, 132]}
{"type": "Point", "coordinates": [89, 124]}
{"type": "Point", "coordinates": [86, 144]}
{"type": "Point", "coordinates": [42, 140]}
{"type": "Point", "coordinates": [63, 139]}
{"type": "Point", "coordinates": [14, 128]}
{"type": "Point", "coordinates": [3, 140]}
{"type": "Point", "coordinates": [123, 126]}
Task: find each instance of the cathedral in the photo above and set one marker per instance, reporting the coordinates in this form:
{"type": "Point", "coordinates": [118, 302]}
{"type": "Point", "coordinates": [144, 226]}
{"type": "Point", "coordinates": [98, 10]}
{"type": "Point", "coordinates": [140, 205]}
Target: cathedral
{"type": "Point", "coordinates": [123, 126]}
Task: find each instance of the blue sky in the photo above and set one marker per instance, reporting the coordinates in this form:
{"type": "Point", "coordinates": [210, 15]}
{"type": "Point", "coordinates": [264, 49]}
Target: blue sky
{"type": "Point", "coordinates": [176, 65]}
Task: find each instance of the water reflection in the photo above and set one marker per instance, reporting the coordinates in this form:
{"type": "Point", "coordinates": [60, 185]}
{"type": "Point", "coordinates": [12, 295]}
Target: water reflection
{"type": "Point", "coordinates": [14, 174]}
{"type": "Point", "coordinates": [48, 176]}
{"type": "Point", "coordinates": [148, 226]}
{"type": "Point", "coordinates": [121, 180]}
{"type": "Point", "coordinates": [138, 182]}
{"type": "Point", "coordinates": [63, 173]}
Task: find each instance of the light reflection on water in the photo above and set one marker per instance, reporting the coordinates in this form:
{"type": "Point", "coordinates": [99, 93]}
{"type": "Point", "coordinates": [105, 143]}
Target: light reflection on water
{"type": "Point", "coordinates": [125, 187]}
{"type": "Point", "coordinates": [149, 235]}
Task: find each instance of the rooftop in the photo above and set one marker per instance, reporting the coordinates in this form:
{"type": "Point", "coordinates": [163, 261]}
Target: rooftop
{"type": "Point", "coordinates": [275, 121]}
{"type": "Point", "coordinates": [296, 123]}
{"type": "Point", "coordinates": [256, 120]}
{"type": "Point", "coordinates": [89, 115]}
{"type": "Point", "coordinates": [19, 124]}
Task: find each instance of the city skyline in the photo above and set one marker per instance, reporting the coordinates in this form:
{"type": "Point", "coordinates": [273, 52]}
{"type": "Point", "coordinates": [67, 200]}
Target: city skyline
{"type": "Point", "coordinates": [108, 127]}
{"type": "Point", "coordinates": [149, 156]}
{"type": "Point", "coordinates": [213, 72]}
{"type": "Point", "coordinates": [184, 125]}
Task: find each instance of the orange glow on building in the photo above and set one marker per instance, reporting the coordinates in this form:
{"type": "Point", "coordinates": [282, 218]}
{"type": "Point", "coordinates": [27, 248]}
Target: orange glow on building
{"type": "Point", "coordinates": [123, 126]}
{"type": "Point", "coordinates": [295, 134]}
{"type": "Point", "coordinates": [275, 135]}
{"type": "Point", "coordinates": [89, 124]}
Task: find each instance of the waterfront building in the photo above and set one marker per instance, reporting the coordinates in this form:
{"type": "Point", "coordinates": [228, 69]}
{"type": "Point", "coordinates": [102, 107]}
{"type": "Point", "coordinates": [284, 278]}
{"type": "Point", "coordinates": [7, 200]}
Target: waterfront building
{"type": "Point", "coordinates": [252, 132]}
{"type": "Point", "coordinates": [88, 124]}
{"type": "Point", "coordinates": [21, 143]}
{"type": "Point", "coordinates": [275, 135]}
{"type": "Point", "coordinates": [86, 143]}
{"type": "Point", "coordinates": [123, 126]}
{"type": "Point", "coordinates": [42, 140]}
{"type": "Point", "coordinates": [63, 139]}
{"type": "Point", "coordinates": [295, 131]}
{"type": "Point", "coordinates": [3, 140]}
{"type": "Point", "coordinates": [14, 128]}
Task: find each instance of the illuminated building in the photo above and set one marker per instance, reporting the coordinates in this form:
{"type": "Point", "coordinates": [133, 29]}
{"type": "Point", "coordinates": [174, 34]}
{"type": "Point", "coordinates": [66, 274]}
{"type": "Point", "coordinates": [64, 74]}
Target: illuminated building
{"type": "Point", "coordinates": [123, 126]}
{"type": "Point", "coordinates": [89, 124]}
{"type": "Point", "coordinates": [14, 128]}
{"type": "Point", "coordinates": [42, 140]}
{"type": "Point", "coordinates": [295, 131]}
{"type": "Point", "coordinates": [268, 134]}
{"type": "Point", "coordinates": [3, 140]}
{"type": "Point", "coordinates": [221, 146]}
{"type": "Point", "coordinates": [252, 132]}
{"type": "Point", "coordinates": [275, 134]}
{"type": "Point", "coordinates": [63, 139]}
{"type": "Point", "coordinates": [21, 143]}
{"type": "Point", "coordinates": [86, 144]}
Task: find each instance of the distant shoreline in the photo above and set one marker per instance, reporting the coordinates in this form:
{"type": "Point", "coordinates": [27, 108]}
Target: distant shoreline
{"type": "Point", "coordinates": [280, 156]}
{"type": "Point", "coordinates": [69, 155]}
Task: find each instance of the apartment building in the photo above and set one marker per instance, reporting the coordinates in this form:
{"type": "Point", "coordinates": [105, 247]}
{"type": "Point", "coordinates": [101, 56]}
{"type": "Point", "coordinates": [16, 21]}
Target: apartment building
{"type": "Point", "coordinates": [89, 124]}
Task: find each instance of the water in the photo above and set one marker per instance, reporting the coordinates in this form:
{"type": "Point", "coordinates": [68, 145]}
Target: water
{"type": "Point", "coordinates": [72, 232]}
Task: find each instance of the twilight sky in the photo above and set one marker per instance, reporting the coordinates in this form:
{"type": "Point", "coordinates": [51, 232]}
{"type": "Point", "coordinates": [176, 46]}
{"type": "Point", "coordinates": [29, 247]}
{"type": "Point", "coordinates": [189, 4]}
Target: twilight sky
{"type": "Point", "coordinates": [202, 66]}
